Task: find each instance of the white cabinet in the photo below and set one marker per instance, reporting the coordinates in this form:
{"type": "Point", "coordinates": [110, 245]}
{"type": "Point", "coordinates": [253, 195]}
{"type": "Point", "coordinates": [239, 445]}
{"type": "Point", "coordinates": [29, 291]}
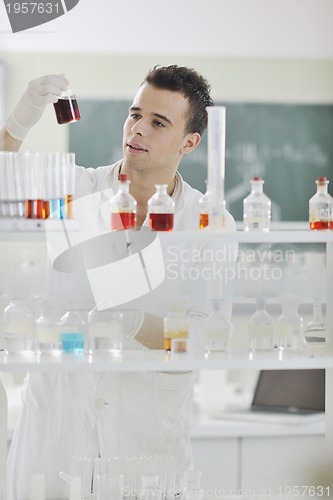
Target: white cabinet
{"type": "Point", "coordinates": [237, 360]}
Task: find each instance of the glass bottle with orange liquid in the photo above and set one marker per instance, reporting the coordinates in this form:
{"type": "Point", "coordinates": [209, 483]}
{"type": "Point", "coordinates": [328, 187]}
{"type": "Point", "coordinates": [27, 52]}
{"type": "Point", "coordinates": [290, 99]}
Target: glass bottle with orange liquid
{"type": "Point", "coordinates": [123, 206]}
{"type": "Point", "coordinates": [161, 208]}
{"type": "Point", "coordinates": [175, 324]}
{"type": "Point", "coordinates": [321, 207]}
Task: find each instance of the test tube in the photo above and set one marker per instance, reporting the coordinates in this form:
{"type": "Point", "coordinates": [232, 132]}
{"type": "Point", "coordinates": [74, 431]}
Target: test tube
{"type": "Point", "coordinates": [216, 165]}
{"type": "Point", "coordinates": [11, 185]}
{"type": "Point", "coordinates": [69, 159]}
{"type": "Point", "coordinates": [34, 179]}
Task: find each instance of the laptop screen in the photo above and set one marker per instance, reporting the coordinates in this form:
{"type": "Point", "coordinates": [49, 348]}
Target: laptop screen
{"type": "Point", "coordinates": [290, 391]}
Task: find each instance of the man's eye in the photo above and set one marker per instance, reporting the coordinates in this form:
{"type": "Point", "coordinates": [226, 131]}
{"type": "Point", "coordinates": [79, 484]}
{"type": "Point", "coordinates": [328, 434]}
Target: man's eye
{"type": "Point", "coordinates": [134, 115]}
{"type": "Point", "coordinates": [158, 124]}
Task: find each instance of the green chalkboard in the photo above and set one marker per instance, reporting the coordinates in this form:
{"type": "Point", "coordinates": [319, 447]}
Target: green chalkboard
{"type": "Point", "coordinates": [288, 145]}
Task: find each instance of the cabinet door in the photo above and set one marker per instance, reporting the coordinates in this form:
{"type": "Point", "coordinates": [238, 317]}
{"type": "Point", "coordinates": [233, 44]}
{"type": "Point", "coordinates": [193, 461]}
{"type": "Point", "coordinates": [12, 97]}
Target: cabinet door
{"type": "Point", "coordinates": [274, 463]}
{"type": "Point", "coordinates": [217, 459]}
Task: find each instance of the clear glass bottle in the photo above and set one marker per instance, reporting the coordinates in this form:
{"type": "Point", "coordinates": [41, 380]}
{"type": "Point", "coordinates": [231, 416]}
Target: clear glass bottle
{"type": "Point", "coordinates": [257, 208]}
{"type": "Point", "coordinates": [175, 324]}
{"type": "Point", "coordinates": [123, 206]}
{"type": "Point", "coordinates": [289, 325]}
{"type": "Point", "coordinates": [161, 209]}
{"type": "Point", "coordinates": [261, 328]}
{"type": "Point", "coordinates": [321, 207]}
{"type": "Point", "coordinates": [73, 331]}
{"type": "Point", "coordinates": [314, 333]}
{"type": "Point", "coordinates": [105, 330]}
{"type": "Point", "coordinates": [192, 490]}
{"type": "Point", "coordinates": [218, 329]}
{"type": "Point", "coordinates": [48, 336]}
{"type": "Point", "coordinates": [19, 331]}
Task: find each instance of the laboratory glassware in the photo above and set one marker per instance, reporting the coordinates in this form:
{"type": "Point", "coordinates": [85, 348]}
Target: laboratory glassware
{"type": "Point", "coordinates": [204, 210]}
{"type": "Point", "coordinates": [123, 206]}
{"type": "Point", "coordinates": [261, 328]}
{"type": "Point", "coordinates": [47, 329]}
{"type": "Point", "coordinates": [216, 166]}
{"type": "Point", "coordinates": [35, 186]}
{"type": "Point", "coordinates": [19, 331]}
{"type": "Point", "coordinates": [161, 208]}
{"type": "Point", "coordinates": [12, 193]}
{"type": "Point", "coordinates": [105, 330]}
{"type": "Point", "coordinates": [150, 487]}
{"type": "Point", "coordinates": [73, 331]}
{"type": "Point", "coordinates": [314, 333]}
{"type": "Point", "coordinates": [257, 208]}
{"type": "Point", "coordinates": [66, 108]}
{"type": "Point", "coordinates": [289, 325]}
{"type": "Point", "coordinates": [321, 207]}
{"type": "Point", "coordinates": [175, 323]}
{"type": "Point", "coordinates": [218, 329]}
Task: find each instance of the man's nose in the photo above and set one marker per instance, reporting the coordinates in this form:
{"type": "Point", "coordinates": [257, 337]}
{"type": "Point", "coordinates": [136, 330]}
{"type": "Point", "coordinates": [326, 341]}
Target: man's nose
{"type": "Point", "coordinates": [139, 127]}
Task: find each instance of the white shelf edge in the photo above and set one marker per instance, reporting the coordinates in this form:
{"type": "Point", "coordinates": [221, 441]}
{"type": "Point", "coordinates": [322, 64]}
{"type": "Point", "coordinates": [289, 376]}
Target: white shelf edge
{"type": "Point", "coordinates": [151, 361]}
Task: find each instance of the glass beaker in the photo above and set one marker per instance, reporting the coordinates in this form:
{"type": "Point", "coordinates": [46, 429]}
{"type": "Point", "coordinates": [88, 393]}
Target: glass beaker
{"type": "Point", "coordinates": [66, 108]}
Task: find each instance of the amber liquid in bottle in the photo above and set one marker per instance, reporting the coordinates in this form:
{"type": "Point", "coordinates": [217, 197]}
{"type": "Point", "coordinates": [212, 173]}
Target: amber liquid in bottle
{"type": "Point", "coordinates": [123, 220]}
{"type": "Point", "coordinates": [321, 225]}
{"type": "Point", "coordinates": [168, 336]}
{"type": "Point", "coordinates": [161, 222]}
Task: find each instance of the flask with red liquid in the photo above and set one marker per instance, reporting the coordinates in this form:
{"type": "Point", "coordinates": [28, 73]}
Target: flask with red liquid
{"type": "Point", "coordinates": [321, 207]}
{"type": "Point", "coordinates": [66, 108]}
{"type": "Point", "coordinates": [123, 206]}
{"type": "Point", "coordinates": [161, 208]}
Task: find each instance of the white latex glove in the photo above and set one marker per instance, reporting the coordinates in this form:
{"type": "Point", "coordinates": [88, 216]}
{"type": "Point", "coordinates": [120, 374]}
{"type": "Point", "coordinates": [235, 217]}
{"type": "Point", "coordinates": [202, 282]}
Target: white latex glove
{"type": "Point", "coordinates": [39, 93]}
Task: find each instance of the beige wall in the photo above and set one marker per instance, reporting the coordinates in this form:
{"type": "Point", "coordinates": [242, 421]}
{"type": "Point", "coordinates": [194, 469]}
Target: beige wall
{"type": "Point", "coordinates": [118, 76]}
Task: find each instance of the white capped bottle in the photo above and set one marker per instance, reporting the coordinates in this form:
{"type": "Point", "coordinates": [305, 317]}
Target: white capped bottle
{"type": "Point", "coordinates": [257, 208]}
{"type": "Point", "coordinates": [192, 490]}
{"type": "Point", "coordinates": [123, 206]}
{"type": "Point", "coordinates": [321, 207]}
{"type": "Point", "coordinates": [161, 209]}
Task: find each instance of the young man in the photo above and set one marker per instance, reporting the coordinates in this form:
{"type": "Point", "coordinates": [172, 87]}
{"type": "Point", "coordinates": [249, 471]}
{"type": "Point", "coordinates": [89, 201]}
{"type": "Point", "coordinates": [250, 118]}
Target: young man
{"type": "Point", "coordinates": [120, 414]}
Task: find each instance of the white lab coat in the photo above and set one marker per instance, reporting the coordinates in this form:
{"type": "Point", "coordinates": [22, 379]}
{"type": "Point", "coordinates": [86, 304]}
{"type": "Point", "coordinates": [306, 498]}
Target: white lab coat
{"type": "Point", "coordinates": [111, 414]}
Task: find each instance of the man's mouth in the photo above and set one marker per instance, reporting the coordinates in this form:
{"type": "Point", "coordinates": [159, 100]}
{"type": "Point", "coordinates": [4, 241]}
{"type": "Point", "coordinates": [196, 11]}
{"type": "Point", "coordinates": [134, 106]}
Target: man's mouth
{"type": "Point", "coordinates": [132, 146]}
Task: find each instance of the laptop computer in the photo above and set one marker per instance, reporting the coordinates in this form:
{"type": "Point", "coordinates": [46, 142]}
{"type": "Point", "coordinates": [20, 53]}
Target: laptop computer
{"type": "Point", "coordinates": [285, 396]}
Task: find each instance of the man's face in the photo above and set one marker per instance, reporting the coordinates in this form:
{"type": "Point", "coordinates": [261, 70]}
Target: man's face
{"type": "Point", "coordinates": [154, 137]}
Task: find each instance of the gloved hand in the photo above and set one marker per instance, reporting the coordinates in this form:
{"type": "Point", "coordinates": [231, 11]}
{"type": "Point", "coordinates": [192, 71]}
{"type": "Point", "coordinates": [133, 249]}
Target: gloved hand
{"type": "Point", "coordinates": [40, 92]}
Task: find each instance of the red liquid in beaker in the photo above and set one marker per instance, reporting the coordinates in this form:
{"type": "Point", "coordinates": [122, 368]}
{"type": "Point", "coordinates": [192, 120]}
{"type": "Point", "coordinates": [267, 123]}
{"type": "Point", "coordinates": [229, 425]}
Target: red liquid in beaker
{"type": "Point", "coordinates": [161, 222]}
{"type": "Point", "coordinates": [67, 110]}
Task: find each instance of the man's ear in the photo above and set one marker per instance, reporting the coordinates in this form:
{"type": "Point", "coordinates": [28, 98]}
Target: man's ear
{"type": "Point", "coordinates": [190, 143]}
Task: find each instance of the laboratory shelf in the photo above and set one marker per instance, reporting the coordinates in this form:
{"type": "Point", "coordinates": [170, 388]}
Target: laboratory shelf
{"type": "Point", "coordinates": [158, 360]}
